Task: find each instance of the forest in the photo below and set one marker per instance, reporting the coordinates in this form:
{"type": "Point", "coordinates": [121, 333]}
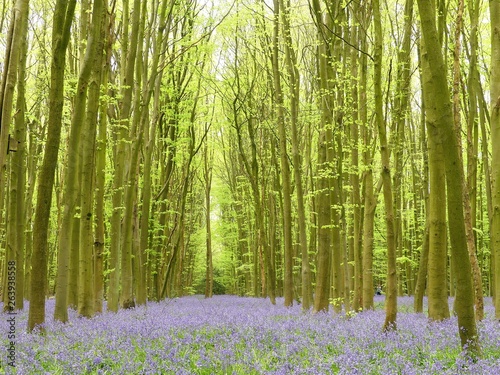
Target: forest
{"type": "Point", "coordinates": [292, 157]}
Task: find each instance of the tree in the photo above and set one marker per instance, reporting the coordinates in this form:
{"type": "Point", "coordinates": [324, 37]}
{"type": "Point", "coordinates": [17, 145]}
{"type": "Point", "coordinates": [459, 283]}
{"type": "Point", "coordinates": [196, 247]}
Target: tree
{"type": "Point", "coordinates": [436, 217]}
{"type": "Point", "coordinates": [14, 72]}
{"type": "Point", "coordinates": [369, 201]}
{"type": "Point", "coordinates": [63, 17]}
{"type": "Point", "coordinates": [468, 210]}
{"type": "Point", "coordinates": [294, 84]}
{"type": "Point", "coordinates": [71, 189]}
{"type": "Point", "coordinates": [402, 115]}
{"type": "Point", "coordinates": [495, 142]}
{"type": "Point", "coordinates": [15, 40]}
{"type": "Point", "coordinates": [285, 168]}
{"type": "Point", "coordinates": [355, 181]}
{"type": "Point", "coordinates": [209, 279]}
{"type": "Point", "coordinates": [437, 259]}
{"type": "Point", "coordinates": [323, 201]}
{"type": "Point", "coordinates": [86, 297]}
{"type": "Point", "coordinates": [439, 113]}
{"type": "Point", "coordinates": [391, 293]}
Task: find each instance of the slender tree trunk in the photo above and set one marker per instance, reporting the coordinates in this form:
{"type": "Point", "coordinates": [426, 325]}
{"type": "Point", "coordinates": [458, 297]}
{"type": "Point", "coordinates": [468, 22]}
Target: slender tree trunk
{"type": "Point", "coordinates": [285, 168]}
{"type": "Point", "coordinates": [129, 53]}
{"type": "Point", "coordinates": [424, 253]}
{"type": "Point", "coordinates": [100, 175]}
{"type": "Point", "coordinates": [489, 203]}
{"type": "Point", "coordinates": [19, 164]}
{"type": "Point", "coordinates": [70, 186]}
{"type": "Point", "coordinates": [261, 245]}
{"type": "Point", "coordinates": [355, 181]}
{"type": "Point", "coordinates": [15, 39]}
{"type": "Point", "coordinates": [368, 239]}
{"type": "Point", "coordinates": [63, 17]}
{"type": "Point", "coordinates": [294, 83]}
{"type": "Point", "coordinates": [391, 290]}
{"type": "Point", "coordinates": [86, 297]}
{"type": "Point", "coordinates": [99, 210]}
{"type": "Point", "coordinates": [127, 297]}
{"type": "Point", "coordinates": [153, 86]}
{"type": "Point", "coordinates": [402, 114]}
{"type": "Point", "coordinates": [437, 286]}
{"type": "Point", "coordinates": [71, 227]}
{"type": "Point", "coordinates": [74, 256]}
{"type": "Point", "coordinates": [33, 147]}
{"type": "Point", "coordinates": [324, 199]}
{"type": "Point", "coordinates": [440, 114]}
{"type": "Point", "coordinates": [437, 289]}
{"type": "Point", "coordinates": [209, 279]}
{"type": "Point", "coordinates": [469, 225]}
{"type": "Point", "coordinates": [495, 142]}
{"type": "Point", "coordinates": [15, 239]}
{"type": "Point", "coordinates": [369, 201]}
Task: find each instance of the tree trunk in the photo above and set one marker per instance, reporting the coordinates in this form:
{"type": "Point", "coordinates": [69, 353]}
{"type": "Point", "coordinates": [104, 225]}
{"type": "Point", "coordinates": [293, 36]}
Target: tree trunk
{"type": "Point", "coordinates": [70, 185]}
{"type": "Point", "coordinates": [368, 199]}
{"type": "Point", "coordinates": [14, 254]}
{"type": "Point", "coordinates": [100, 173]}
{"type": "Point", "coordinates": [402, 114]}
{"type": "Point", "coordinates": [63, 17]}
{"type": "Point", "coordinates": [355, 181]}
{"type": "Point", "coordinates": [495, 142]}
{"type": "Point", "coordinates": [437, 286]}
{"type": "Point", "coordinates": [131, 156]}
{"type": "Point", "coordinates": [209, 278]}
{"type": "Point", "coordinates": [437, 289]}
{"type": "Point", "coordinates": [440, 115]}
{"type": "Point", "coordinates": [285, 168]}
{"type": "Point", "coordinates": [468, 211]}
{"type": "Point", "coordinates": [86, 297]}
{"type": "Point", "coordinates": [15, 39]}
{"type": "Point", "coordinates": [424, 253]}
{"type": "Point", "coordinates": [391, 303]}
{"type": "Point", "coordinates": [294, 83]}
{"type": "Point", "coordinates": [19, 163]}
{"type": "Point", "coordinates": [324, 193]}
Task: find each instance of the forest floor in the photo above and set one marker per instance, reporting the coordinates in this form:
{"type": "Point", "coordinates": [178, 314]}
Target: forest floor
{"type": "Point", "coordinates": [237, 335]}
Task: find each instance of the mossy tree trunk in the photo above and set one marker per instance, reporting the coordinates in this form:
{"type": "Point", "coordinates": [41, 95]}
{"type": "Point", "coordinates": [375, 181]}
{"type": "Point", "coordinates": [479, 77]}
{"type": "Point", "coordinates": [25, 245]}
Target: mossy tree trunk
{"type": "Point", "coordinates": [391, 302]}
{"type": "Point", "coordinates": [284, 164]}
{"type": "Point", "coordinates": [63, 18]}
{"type": "Point", "coordinates": [495, 142]}
{"type": "Point", "coordinates": [439, 113]}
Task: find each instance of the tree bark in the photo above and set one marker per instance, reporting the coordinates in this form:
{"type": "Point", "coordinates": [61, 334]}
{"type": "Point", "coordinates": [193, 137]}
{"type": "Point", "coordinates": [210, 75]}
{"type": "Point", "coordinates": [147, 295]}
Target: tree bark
{"type": "Point", "coordinates": [70, 186]}
{"type": "Point", "coordinates": [325, 156]}
{"type": "Point", "coordinates": [15, 71]}
{"type": "Point", "coordinates": [15, 39]}
{"type": "Point", "coordinates": [391, 303]}
{"type": "Point", "coordinates": [209, 278]}
{"type": "Point", "coordinates": [285, 168]}
{"type": "Point", "coordinates": [369, 201]}
{"type": "Point", "coordinates": [437, 289]}
{"type": "Point", "coordinates": [440, 115]}
{"type": "Point", "coordinates": [86, 296]}
{"type": "Point", "coordinates": [294, 83]}
{"type": "Point", "coordinates": [467, 201]}
{"type": "Point", "coordinates": [495, 142]}
{"type": "Point", "coordinates": [63, 17]}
